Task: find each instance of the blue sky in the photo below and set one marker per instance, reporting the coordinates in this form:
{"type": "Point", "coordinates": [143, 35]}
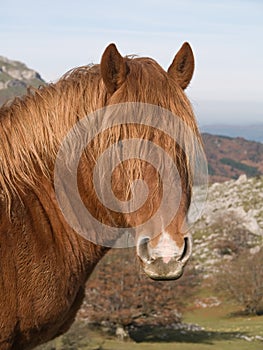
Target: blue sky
{"type": "Point", "coordinates": [226, 36]}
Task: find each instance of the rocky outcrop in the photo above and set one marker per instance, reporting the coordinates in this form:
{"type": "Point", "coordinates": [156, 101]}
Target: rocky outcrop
{"type": "Point", "coordinates": [232, 220]}
{"type": "Point", "coordinates": [15, 78]}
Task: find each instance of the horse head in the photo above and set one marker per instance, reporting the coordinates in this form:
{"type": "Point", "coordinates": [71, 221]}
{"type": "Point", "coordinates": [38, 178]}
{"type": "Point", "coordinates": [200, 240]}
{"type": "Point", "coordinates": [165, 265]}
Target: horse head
{"type": "Point", "coordinates": [163, 247]}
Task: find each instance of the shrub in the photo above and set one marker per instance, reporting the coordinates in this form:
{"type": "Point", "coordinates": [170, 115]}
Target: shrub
{"type": "Point", "coordinates": [247, 169]}
{"type": "Point", "coordinates": [241, 280]}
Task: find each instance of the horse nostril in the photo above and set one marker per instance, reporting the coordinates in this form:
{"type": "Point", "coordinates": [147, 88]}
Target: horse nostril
{"type": "Point", "coordinates": [187, 249]}
{"type": "Point", "coordinates": [142, 249]}
{"type": "Point", "coordinates": [144, 240]}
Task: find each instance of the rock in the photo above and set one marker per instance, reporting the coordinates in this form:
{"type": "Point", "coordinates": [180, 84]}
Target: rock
{"type": "Point", "coordinates": [252, 225]}
{"type": "Point", "coordinates": [16, 83]}
{"type": "Point", "coordinates": [187, 327]}
{"type": "Point", "coordinates": [254, 250]}
{"type": "Point", "coordinates": [242, 178]}
{"type": "Point", "coordinates": [121, 333]}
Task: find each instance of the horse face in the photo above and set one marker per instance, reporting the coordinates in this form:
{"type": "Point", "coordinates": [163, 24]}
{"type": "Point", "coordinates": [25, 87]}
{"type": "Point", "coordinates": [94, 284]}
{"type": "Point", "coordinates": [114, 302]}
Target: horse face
{"type": "Point", "coordinates": [163, 246]}
{"type": "Point", "coordinates": [163, 254]}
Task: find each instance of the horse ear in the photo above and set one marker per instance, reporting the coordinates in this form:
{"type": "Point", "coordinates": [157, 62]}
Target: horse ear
{"type": "Point", "coordinates": [113, 68]}
{"type": "Point", "coordinates": [182, 67]}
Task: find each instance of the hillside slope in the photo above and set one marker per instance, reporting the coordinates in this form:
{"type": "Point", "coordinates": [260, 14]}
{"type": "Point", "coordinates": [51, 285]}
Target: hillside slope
{"type": "Point", "coordinates": [15, 78]}
{"type": "Point", "coordinates": [228, 157]}
{"type": "Point", "coordinates": [232, 220]}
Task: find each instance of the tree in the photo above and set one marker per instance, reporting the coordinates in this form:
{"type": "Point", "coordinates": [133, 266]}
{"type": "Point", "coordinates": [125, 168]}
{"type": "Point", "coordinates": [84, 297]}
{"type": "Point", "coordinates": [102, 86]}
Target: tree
{"type": "Point", "coordinates": [241, 280]}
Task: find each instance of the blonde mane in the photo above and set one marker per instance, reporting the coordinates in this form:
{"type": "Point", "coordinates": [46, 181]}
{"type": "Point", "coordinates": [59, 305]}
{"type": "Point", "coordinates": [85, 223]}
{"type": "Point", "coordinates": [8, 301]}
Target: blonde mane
{"type": "Point", "coordinates": [33, 126]}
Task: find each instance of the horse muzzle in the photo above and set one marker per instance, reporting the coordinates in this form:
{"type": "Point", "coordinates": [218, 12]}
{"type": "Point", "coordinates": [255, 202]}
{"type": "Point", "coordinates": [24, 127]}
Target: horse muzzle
{"type": "Point", "coordinates": [166, 263]}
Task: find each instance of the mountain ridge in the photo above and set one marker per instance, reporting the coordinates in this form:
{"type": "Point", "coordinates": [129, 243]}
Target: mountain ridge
{"type": "Point", "coordinates": [15, 78]}
{"type": "Point", "coordinates": [228, 157]}
{"type": "Point", "coordinates": [251, 132]}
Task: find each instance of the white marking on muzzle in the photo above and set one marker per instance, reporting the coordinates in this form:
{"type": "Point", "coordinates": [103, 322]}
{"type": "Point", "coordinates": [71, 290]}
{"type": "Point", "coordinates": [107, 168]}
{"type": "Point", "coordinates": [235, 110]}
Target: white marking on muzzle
{"type": "Point", "coordinates": [165, 249]}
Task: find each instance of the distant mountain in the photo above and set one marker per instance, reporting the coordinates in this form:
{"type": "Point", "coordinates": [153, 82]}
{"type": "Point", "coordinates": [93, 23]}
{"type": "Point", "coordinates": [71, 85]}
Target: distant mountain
{"type": "Point", "coordinates": [15, 78]}
{"type": "Point", "coordinates": [229, 157]}
{"type": "Point", "coordinates": [249, 132]}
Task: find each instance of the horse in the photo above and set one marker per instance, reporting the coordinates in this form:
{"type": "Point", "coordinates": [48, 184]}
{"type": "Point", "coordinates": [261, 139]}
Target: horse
{"type": "Point", "coordinates": [44, 262]}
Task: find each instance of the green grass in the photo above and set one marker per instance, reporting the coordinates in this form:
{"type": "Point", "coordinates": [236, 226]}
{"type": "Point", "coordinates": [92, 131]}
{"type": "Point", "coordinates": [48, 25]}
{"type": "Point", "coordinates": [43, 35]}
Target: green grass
{"type": "Point", "coordinates": [220, 333]}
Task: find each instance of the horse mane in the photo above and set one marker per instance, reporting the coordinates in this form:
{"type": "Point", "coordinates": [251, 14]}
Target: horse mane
{"type": "Point", "coordinates": [33, 126]}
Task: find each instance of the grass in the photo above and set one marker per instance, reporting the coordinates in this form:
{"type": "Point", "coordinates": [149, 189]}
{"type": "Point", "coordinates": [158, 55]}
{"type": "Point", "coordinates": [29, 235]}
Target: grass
{"type": "Point", "coordinates": [221, 332]}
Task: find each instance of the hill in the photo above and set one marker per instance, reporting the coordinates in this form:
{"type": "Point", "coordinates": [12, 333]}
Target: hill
{"type": "Point", "coordinates": [253, 132]}
{"type": "Point", "coordinates": [15, 78]}
{"type": "Point", "coordinates": [229, 157]}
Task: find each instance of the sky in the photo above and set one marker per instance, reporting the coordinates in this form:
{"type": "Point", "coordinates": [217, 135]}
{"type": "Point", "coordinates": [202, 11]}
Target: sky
{"type": "Point", "coordinates": [226, 37]}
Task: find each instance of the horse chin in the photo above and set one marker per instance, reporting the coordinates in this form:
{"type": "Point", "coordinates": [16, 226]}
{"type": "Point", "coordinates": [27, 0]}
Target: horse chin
{"type": "Point", "coordinates": [160, 271]}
